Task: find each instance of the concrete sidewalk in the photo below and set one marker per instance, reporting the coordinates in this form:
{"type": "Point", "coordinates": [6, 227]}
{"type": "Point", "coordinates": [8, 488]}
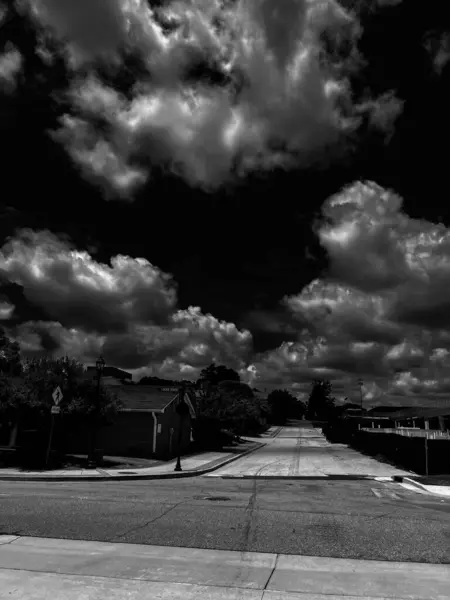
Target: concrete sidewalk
{"type": "Point", "coordinates": [433, 487]}
{"type": "Point", "coordinates": [42, 568]}
{"type": "Point", "coordinates": [193, 465]}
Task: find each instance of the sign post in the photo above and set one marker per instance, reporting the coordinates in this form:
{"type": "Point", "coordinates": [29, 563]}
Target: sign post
{"type": "Point", "coordinates": [57, 396]}
{"type": "Point", "coordinates": [426, 454]}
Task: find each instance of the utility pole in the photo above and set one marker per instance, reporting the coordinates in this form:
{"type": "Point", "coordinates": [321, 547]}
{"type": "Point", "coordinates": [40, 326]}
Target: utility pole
{"type": "Point", "coordinates": [361, 383]}
{"type": "Point", "coordinates": [92, 459]}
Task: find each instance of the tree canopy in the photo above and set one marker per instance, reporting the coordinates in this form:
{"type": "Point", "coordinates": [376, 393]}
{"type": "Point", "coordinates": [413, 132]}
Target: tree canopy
{"type": "Point", "coordinates": [321, 404]}
{"type": "Point", "coordinates": [10, 359]}
{"type": "Point", "coordinates": [215, 374]}
{"type": "Point", "coordinates": [31, 394]}
{"type": "Point", "coordinates": [282, 405]}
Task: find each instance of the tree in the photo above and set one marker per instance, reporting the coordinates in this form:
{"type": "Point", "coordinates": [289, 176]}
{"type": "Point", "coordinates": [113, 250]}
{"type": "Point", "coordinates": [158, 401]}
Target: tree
{"type": "Point", "coordinates": [214, 374]}
{"type": "Point", "coordinates": [10, 359]}
{"type": "Point", "coordinates": [281, 403]}
{"type": "Point", "coordinates": [236, 387]}
{"type": "Point", "coordinates": [321, 405]}
{"type": "Point", "coordinates": [26, 401]}
{"type": "Point", "coordinates": [42, 375]}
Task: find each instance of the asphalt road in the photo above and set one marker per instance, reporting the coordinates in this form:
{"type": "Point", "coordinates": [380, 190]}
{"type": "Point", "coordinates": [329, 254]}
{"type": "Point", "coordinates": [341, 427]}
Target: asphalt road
{"type": "Point", "coordinates": [347, 519]}
{"type": "Point", "coordinates": [302, 450]}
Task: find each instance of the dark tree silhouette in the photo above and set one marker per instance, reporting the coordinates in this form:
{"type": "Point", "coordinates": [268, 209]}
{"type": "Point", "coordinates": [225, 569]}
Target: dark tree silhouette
{"type": "Point", "coordinates": [10, 359]}
{"type": "Point", "coordinates": [214, 374]}
{"type": "Point", "coordinates": [282, 405]}
{"type": "Point", "coordinates": [321, 404]}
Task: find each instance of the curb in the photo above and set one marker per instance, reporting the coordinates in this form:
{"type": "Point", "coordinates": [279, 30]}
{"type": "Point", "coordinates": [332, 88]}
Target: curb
{"type": "Point", "coordinates": [276, 432]}
{"type": "Point", "coordinates": [421, 486]}
{"type": "Point", "coordinates": [137, 477]}
{"type": "Point", "coordinates": [417, 484]}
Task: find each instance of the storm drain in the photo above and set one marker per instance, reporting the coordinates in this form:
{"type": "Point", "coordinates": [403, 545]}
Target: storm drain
{"type": "Point", "coordinates": [213, 498]}
{"type": "Point", "coordinates": [127, 473]}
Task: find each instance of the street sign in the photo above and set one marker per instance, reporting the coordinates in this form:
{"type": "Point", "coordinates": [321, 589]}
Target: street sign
{"type": "Point", "coordinates": [57, 395]}
{"type": "Point", "coordinates": [56, 410]}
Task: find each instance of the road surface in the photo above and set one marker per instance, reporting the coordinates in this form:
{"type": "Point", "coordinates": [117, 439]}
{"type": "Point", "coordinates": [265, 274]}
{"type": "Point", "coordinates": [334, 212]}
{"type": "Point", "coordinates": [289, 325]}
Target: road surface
{"type": "Point", "coordinates": [303, 451]}
{"type": "Point", "coordinates": [341, 518]}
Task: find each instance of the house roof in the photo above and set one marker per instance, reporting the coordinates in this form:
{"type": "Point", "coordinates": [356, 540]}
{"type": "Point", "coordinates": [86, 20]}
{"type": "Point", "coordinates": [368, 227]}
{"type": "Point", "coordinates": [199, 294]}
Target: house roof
{"type": "Point", "coordinates": [416, 413]}
{"type": "Point", "coordinates": [143, 398]}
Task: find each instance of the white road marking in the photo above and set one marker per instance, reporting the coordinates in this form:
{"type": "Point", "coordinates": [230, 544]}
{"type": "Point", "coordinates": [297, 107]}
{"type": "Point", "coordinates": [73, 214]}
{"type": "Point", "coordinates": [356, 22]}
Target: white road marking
{"type": "Point", "coordinates": [385, 493]}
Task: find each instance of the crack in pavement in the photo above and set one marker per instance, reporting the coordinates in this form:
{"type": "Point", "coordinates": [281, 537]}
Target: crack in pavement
{"type": "Point", "coordinates": [133, 529]}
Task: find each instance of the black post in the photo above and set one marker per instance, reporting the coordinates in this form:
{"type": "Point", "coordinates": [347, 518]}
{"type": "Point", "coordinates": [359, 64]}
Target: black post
{"type": "Point", "coordinates": [49, 447]}
{"type": "Point", "coordinates": [92, 461]}
{"type": "Point", "coordinates": [182, 409]}
{"type": "Point", "coordinates": [180, 437]}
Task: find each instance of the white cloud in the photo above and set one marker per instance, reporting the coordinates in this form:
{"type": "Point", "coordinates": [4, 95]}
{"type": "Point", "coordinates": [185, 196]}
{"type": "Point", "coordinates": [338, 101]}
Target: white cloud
{"type": "Point", "coordinates": [10, 66]}
{"type": "Point", "coordinates": [375, 247]}
{"type": "Point", "coordinates": [126, 310]}
{"type": "Point", "coordinates": [274, 102]}
{"type": "Point", "coordinates": [77, 291]}
{"type": "Point", "coordinates": [382, 309]}
{"type": "Point", "coordinates": [6, 310]}
{"type": "Point", "coordinates": [93, 27]}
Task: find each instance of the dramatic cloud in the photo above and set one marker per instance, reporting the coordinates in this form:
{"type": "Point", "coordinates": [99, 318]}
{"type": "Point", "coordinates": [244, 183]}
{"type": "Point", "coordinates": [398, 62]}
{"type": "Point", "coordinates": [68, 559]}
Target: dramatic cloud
{"type": "Point", "coordinates": [77, 291]}
{"type": "Point", "coordinates": [10, 65]}
{"type": "Point", "coordinates": [374, 247]}
{"type": "Point", "coordinates": [438, 46]}
{"type": "Point", "coordinates": [6, 310]}
{"type": "Point", "coordinates": [225, 87]}
{"type": "Point", "coordinates": [382, 310]}
{"type": "Point", "coordinates": [344, 313]}
{"type": "Point", "coordinates": [127, 311]}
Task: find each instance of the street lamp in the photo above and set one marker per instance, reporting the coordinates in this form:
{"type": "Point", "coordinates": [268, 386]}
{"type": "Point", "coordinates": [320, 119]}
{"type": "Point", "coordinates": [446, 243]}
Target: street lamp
{"type": "Point", "coordinates": [182, 411]}
{"type": "Point", "coordinates": [99, 366]}
{"type": "Point", "coordinates": [361, 383]}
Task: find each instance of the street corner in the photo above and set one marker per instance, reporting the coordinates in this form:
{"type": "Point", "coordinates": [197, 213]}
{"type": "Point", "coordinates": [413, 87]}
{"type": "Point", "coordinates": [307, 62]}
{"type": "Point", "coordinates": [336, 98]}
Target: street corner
{"type": "Point", "coordinates": [192, 466]}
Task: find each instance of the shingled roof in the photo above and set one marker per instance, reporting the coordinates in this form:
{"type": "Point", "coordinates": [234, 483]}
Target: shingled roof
{"type": "Point", "coordinates": [144, 398]}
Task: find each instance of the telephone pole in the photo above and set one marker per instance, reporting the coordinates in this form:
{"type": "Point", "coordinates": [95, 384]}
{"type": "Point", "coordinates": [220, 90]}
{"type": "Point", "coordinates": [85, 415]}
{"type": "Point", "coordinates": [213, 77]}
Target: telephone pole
{"type": "Point", "coordinates": [361, 383]}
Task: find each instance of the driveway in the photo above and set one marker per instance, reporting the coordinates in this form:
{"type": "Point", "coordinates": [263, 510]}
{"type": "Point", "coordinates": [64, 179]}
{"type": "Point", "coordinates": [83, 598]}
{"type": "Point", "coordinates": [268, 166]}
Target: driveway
{"type": "Point", "coordinates": [301, 450]}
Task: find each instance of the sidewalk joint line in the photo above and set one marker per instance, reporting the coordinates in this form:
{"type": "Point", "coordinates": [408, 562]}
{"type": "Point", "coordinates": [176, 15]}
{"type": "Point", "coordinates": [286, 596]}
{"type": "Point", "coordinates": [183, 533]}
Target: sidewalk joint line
{"type": "Point", "coordinates": [79, 575]}
{"type": "Point", "coordinates": [271, 574]}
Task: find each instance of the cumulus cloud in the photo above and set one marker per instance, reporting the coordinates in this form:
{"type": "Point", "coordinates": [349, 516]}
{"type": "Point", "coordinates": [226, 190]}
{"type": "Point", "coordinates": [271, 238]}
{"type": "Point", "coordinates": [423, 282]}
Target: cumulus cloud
{"type": "Point", "coordinates": [6, 310]}
{"type": "Point", "coordinates": [338, 311]}
{"type": "Point", "coordinates": [36, 337]}
{"type": "Point", "coordinates": [437, 45]}
{"type": "Point", "coordinates": [269, 100]}
{"type": "Point", "coordinates": [191, 338]}
{"type": "Point", "coordinates": [92, 27]}
{"type": "Point", "coordinates": [126, 310]}
{"type": "Point", "coordinates": [10, 66]}
{"type": "Point", "coordinates": [380, 312]}
{"type": "Point", "coordinates": [78, 291]}
{"type": "Point", "coordinates": [375, 247]}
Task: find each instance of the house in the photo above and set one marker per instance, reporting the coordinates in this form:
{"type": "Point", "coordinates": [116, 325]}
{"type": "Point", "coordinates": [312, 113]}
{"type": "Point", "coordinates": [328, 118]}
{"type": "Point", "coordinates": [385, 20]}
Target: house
{"type": "Point", "coordinates": [147, 426]}
{"type": "Point", "coordinates": [435, 417]}
{"type": "Point", "coordinates": [109, 372]}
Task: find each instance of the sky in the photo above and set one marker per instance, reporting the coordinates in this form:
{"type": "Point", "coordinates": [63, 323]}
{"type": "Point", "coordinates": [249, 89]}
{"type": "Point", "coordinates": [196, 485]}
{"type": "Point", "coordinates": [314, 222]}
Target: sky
{"type": "Point", "coordinates": [255, 183]}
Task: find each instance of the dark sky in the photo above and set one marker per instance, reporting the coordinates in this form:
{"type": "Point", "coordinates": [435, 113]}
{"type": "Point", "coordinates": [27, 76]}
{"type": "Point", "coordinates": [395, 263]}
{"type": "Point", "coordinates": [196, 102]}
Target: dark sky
{"type": "Point", "coordinates": [237, 221]}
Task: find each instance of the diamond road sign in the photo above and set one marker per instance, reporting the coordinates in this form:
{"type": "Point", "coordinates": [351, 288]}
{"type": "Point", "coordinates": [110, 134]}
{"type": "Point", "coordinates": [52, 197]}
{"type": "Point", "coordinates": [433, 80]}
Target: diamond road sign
{"type": "Point", "coordinates": [57, 395]}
